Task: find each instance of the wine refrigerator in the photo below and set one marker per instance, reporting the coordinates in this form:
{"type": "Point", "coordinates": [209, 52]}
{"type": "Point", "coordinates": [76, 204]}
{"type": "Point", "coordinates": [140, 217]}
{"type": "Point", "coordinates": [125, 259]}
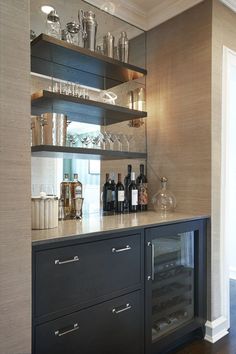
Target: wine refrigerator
{"type": "Point", "coordinates": [175, 284]}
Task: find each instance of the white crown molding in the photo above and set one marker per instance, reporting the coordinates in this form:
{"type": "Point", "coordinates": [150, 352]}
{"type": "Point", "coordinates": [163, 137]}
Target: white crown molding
{"type": "Point", "coordinates": [161, 12]}
{"type": "Point", "coordinates": [230, 3]}
{"type": "Point", "coordinates": [127, 11]}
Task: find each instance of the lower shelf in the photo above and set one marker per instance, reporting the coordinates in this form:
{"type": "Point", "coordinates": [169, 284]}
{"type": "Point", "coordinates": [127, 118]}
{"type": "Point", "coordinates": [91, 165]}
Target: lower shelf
{"type": "Point", "coordinates": [83, 153]}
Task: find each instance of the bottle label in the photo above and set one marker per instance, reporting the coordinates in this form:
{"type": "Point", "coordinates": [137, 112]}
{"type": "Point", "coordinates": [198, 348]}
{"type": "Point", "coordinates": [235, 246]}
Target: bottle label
{"type": "Point", "coordinates": [134, 197]}
{"type": "Point", "coordinates": [78, 191]}
{"type": "Point", "coordinates": [67, 192]}
{"type": "Point", "coordinates": [143, 194]}
{"type": "Point", "coordinates": [121, 196]}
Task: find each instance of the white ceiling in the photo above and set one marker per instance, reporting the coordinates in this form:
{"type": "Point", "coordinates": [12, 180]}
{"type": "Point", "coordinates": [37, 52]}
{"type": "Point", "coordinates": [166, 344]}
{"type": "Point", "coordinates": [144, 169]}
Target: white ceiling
{"type": "Point", "coordinates": [147, 14]}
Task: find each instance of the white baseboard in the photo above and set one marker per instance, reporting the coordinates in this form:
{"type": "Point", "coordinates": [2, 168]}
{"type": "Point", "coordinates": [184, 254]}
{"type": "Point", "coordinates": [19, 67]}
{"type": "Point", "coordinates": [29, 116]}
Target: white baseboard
{"type": "Point", "coordinates": [232, 273]}
{"type": "Point", "coordinates": [216, 329]}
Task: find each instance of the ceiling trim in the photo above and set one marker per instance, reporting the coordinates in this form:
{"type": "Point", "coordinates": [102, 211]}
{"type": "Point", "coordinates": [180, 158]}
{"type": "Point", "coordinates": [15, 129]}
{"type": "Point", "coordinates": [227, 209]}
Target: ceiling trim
{"type": "Point", "coordinates": [127, 11]}
{"type": "Point", "coordinates": [161, 13]}
{"type": "Point", "coordinates": [230, 3]}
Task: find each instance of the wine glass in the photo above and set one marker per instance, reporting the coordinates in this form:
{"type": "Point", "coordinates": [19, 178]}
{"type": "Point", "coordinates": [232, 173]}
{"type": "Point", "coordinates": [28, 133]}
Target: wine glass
{"type": "Point", "coordinates": [117, 145]}
{"type": "Point", "coordinates": [85, 140]}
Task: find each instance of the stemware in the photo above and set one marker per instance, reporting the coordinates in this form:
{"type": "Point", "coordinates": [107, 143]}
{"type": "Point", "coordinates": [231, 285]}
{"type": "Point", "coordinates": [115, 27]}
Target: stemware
{"type": "Point", "coordinates": [71, 140]}
{"type": "Point", "coordinates": [117, 145]}
{"type": "Point", "coordinates": [85, 140]}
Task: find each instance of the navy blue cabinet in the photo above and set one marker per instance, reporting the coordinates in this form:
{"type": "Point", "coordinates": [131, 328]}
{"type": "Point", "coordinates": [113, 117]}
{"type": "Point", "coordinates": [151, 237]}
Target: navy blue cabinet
{"type": "Point", "coordinates": [124, 293]}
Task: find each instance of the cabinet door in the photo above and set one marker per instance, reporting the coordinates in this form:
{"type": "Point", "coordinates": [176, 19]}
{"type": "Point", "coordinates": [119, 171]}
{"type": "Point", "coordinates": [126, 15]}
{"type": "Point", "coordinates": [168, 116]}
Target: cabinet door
{"type": "Point", "coordinates": [174, 281]}
{"type": "Point", "coordinates": [113, 327]}
{"type": "Point", "coordinates": [75, 275]}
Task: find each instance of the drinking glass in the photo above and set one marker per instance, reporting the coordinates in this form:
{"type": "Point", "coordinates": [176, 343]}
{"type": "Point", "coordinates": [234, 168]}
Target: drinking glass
{"type": "Point", "coordinates": [85, 140]}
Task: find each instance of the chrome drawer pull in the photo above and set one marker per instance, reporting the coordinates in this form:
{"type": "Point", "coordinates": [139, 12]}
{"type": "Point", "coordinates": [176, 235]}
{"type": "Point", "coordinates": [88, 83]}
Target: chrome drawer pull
{"type": "Point", "coordinates": [75, 259]}
{"type": "Point", "coordinates": [127, 307]}
{"type": "Point", "coordinates": [127, 248]}
{"type": "Point", "coordinates": [60, 334]}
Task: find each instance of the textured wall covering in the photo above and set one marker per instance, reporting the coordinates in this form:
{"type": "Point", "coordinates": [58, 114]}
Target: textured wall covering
{"type": "Point", "coordinates": [15, 233]}
{"type": "Point", "coordinates": [223, 34]}
{"type": "Point", "coordinates": [179, 107]}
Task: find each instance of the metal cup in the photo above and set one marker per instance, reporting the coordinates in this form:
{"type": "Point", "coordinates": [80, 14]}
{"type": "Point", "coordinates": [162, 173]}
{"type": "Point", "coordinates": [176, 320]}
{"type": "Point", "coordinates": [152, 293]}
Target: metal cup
{"type": "Point", "coordinates": [108, 45]}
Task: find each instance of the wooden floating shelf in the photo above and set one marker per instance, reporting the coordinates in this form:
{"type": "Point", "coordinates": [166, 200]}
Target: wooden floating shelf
{"type": "Point", "coordinates": [83, 153]}
{"type": "Point", "coordinates": [62, 60]}
{"type": "Point", "coordinates": [82, 110]}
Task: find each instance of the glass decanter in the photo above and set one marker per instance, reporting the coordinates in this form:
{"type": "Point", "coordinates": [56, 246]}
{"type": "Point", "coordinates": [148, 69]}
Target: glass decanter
{"type": "Point", "coordinates": [53, 26]}
{"type": "Point", "coordinates": [164, 200]}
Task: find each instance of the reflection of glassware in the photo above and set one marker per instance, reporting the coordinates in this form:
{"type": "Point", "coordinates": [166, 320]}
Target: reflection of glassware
{"type": "Point", "coordinates": [139, 99]}
{"type": "Point", "coordinates": [108, 97]}
{"type": "Point", "coordinates": [49, 189]}
{"type": "Point", "coordinates": [71, 140]}
{"type": "Point", "coordinates": [108, 45]}
{"type": "Point", "coordinates": [32, 35]}
{"type": "Point", "coordinates": [85, 140]}
{"type": "Point", "coordinates": [117, 145]}
{"type": "Point", "coordinates": [126, 141]}
{"type": "Point", "coordinates": [164, 200]}
{"type": "Point", "coordinates": [90, 30]}
{"type": "Point", "coordinates": [95, 140]}
{"type": "Point", "coordinates": [53, 26]}
{"type": "Point", "coordinates": [99, 49]}
{"type": "Point", "coordinates": [130, 100]}
{"type": "Point", "coordinates": [78, 207]}
{"type": "Point", "coordinates": [123, 47]}
{"type": "Point", "coordinates": [73, 32]}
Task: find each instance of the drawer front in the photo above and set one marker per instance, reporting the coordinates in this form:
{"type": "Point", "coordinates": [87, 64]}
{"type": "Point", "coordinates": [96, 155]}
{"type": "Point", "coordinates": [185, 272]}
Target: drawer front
{"type": "Point", "coordinates": [114, 326]}
{"type": "Point", "coordinates": [77, 274]}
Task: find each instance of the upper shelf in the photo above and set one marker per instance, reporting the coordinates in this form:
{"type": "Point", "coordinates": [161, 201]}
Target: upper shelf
{"type": "Point", "coordinates": [82, 110]}
{"type": "Point", "coordinates": [62, 60]}
{"type": "Point", "coordinates": [66, 152]}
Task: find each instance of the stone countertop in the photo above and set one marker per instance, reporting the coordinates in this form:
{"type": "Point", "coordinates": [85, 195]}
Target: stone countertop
{"type": "Point", "coordinates": [95, 224]}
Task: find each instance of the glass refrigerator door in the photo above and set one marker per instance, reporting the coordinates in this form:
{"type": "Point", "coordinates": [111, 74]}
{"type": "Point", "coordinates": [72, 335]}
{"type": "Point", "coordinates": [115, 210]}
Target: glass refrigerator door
{"type": "Point", "coordinates": [172, 282]}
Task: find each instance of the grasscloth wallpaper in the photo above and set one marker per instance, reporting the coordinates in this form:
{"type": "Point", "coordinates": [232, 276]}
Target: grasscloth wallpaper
{"type": "Point", "coordinates": [15, 233]}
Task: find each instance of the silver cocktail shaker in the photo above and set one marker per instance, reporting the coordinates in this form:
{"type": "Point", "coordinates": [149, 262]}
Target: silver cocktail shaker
{"type": "Point", "coordinates": [90, 30]}
{"type": "Point", "coordinates": [108, 45]}
{"type": "Point", "coordinates": [123, 47]}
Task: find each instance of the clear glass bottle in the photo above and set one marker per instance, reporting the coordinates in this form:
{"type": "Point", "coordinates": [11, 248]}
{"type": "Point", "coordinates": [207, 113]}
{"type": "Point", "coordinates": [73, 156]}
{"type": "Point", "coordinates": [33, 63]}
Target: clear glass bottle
{"type": "Point", "coordinates": [76, 192]}
{"type": "Point", "coordinates": [164, 200]}
{"type": "Point", "coordinates": [66, 195]}
{"type": "Point", "coordinates": [53, 25]}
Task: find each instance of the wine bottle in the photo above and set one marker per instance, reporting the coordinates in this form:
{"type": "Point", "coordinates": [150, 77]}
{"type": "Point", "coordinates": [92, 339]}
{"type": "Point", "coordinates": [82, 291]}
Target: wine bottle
{"type": "Point", "coordinates": [142, 190]}
{"type": "Point", "coordinates": [107, 194]}
{"type": "Point", "coordinates": [120, 195]}
{"type": "Point", "coordinates": [127, 181]}
{"type": "Point", "coordinates": [113, 192]}
{"type": "Point", "coordinates": [133, 194]}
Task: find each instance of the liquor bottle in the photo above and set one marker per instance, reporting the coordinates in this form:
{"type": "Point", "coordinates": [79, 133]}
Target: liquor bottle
{"type": "Point", "coordinates": [120, 195]}
{"type": "Point", "coordinates": [142, 190]}
{"type": "Point", "coordinates": [76, 192]}
{"type": "Point", "coordinates": [133, 194]}
{"type": "Point", "coordinates": [66, 195]}
{"type": "Point", "coordinates": [107, 194]}
{"type": "Point", "coordinates": [127, 181]}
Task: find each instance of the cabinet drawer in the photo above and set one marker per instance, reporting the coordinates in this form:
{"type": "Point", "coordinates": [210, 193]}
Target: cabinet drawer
{"type": "Point", "coordinates": [113, 327]}
{"type": "Point", "coordinates": [78, 274]}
